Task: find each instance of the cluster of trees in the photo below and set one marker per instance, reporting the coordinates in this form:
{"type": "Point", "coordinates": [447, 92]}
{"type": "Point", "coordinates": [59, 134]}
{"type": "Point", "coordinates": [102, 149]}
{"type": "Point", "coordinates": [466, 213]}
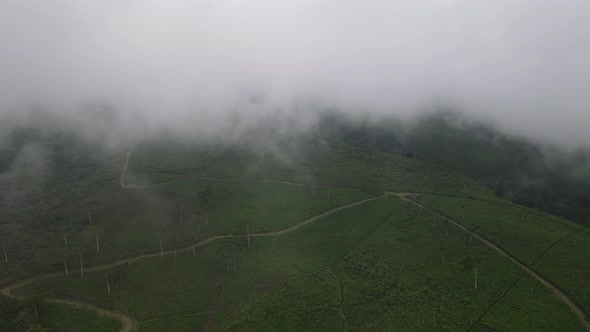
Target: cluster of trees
{"type": "Point", "coordinates": [515, 169]}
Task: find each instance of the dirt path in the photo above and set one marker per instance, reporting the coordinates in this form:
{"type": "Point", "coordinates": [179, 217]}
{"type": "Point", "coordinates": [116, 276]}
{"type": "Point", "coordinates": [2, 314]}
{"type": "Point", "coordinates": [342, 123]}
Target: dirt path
{"type": "Point", "coordinates": [551, 286]}
{"type": "Point", "coordinates": [128, 323]}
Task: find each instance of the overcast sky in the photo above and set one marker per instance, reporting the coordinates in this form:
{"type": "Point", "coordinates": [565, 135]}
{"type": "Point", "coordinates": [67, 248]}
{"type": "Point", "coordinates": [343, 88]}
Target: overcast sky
{"type": "Point", "coordinates": [525, 64]}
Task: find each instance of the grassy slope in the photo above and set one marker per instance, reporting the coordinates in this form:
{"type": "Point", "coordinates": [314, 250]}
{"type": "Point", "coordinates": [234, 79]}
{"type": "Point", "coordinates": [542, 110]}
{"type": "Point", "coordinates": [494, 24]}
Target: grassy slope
{"type": "Point", "coordinates": [377, 266]}
{"type": "Point", "coordinates": [554, 247]}
{"type": "Point", "coordinates": [382, 255]}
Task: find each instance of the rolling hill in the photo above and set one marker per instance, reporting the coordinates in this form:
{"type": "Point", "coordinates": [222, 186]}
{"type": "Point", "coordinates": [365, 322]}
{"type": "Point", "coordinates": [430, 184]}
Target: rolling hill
{"type": "Point", "coordinates": [348, 227]}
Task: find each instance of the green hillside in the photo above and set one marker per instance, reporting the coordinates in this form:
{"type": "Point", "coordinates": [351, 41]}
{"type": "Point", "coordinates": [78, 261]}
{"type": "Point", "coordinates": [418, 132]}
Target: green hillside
{"type": "Point", "coordinates": [328, 232]}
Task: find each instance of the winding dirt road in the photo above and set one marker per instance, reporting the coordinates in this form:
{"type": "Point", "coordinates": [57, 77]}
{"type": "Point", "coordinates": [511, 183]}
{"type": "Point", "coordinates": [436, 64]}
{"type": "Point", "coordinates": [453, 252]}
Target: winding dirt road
{"type": "Point", "coordinates": [128, 322]}
{"type": "Point", "coordinates": [550, 285]}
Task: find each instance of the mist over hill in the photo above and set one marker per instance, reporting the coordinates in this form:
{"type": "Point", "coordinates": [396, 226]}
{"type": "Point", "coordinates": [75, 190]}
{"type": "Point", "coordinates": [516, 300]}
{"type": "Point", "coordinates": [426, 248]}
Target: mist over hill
{"type": "Point", "coordinates": [534, 174]}
{"type": "Point", "coordinates": [523, 171]}
{"type": "Point", "coordinates": [210, 67]}
{"type": "Point", "coordinates": [294, 165]}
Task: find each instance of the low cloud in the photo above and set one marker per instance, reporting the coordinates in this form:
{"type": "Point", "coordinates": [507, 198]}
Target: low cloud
{"type": "Point", "coordinates": [205, 66]}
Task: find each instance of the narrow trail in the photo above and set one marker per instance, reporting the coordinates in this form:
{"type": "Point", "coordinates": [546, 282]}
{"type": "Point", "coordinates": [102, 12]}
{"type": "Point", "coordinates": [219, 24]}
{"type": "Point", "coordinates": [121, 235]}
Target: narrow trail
{"type": "Point", "coordinates": [127, 322]}
{"type": "Point", "coordinates": [8, 290]}
{"type": "Point", "coordinates": [550, 285]}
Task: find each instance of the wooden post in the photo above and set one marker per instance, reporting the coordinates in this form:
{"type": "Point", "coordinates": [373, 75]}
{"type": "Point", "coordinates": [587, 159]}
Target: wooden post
{"type": "Point", "coordinates": [313, 189]}
{"type": "Point", "coordinates": [66, 267]}
{"type": "Point", "coordinates": [65, 239]}
{"type": "Point", "coordinates": [161, 248]}
{"type": "Point", "coordinates": [5, 254]}
{"type": "Point", "coordinates": [36, 314]}
{"type": "Point", "coordinates": [234, 264]}
{"type": "Point", "coordinates": [108, 286]}
{"type": "Point", "coordinates": [470, 238]}
{"type": "Point", "coordinates": [89, 218]}
{"type": "Point", "coordinates": [174, 253]}
{"type": "Point", "coordinates": [443, 259]}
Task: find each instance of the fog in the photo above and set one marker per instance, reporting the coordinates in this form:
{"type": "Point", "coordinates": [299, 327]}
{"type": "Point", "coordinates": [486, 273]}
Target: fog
{"type": "Point", "coordinates": [203, 66]}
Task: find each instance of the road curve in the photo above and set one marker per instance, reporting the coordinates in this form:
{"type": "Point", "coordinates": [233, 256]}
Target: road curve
{"type": "Point", "coordinates": [547, 283]}
{"type": "Point", "coordinates": [128, 322]}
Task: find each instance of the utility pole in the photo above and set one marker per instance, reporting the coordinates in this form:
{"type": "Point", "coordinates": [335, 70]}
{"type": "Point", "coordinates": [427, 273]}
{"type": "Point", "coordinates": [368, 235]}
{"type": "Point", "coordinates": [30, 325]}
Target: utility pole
{"type": "Point", "coordinates": [81, 266]}
{"type": "Point", "coordinates": [66, 266]}
{"type": "Point", "coordinates": [476, 266]}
